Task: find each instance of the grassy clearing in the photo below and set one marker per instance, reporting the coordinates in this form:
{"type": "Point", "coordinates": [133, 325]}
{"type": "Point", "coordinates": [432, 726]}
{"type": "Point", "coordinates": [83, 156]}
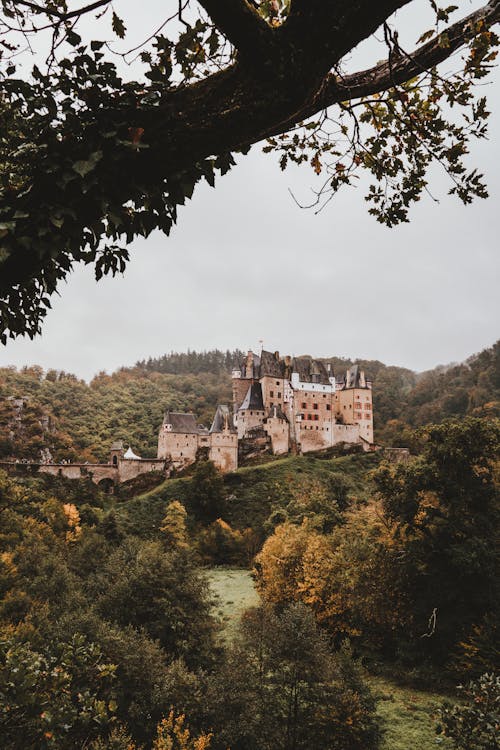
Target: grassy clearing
{"type": "Point", "coordinates": [408, 717]}
{"type": "Point", "coordinates": [235, 592]}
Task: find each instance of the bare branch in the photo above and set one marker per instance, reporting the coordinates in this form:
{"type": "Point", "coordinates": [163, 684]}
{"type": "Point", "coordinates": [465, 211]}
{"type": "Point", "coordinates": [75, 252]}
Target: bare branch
{"type": "Point", "coordinates": [40, 9]}
{"type": "Point", "coordinates": [63, 16]}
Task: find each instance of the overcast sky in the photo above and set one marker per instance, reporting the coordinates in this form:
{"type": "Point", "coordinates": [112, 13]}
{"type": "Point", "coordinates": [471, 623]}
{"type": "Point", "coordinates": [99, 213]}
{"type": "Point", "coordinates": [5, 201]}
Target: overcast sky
{"type": "Point", "coordinates": [246, 264]}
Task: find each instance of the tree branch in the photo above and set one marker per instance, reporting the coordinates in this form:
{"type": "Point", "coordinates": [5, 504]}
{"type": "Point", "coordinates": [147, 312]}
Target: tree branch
{"type": "Point", "coordinates": [328, 30]}
{"type": "Point", "coordinates": [240, 23]}
{"type": "Point", "coordinates": [396, 72]}
{"type": "Point", "coordinates": [381, 77]}
{"type": "Point", "coordinates": [228, 110]}
{"type": "Point", "coordinates": [63, 16]}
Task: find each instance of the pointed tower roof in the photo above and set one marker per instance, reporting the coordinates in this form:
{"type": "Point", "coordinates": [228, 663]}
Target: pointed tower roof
{"type": "Point", "coordinates": [222, 420]}
{"type": "Point", "coordinates": [129, 453]}
{"type": "Point", "coordinates": [253, 399]}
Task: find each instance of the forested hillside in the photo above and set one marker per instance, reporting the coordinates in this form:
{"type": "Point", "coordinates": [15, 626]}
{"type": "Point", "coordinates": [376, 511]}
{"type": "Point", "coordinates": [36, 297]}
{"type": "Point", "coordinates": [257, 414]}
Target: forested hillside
{"type": "Point", "coordinates": [78, 420]}
{"type": "Point", "coordinates": [85, 418]}
{"type": "Point", "coordinates": [109, 637]}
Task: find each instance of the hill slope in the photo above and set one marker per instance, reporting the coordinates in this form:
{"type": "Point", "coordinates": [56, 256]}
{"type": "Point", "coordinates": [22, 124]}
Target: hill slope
{"type": "Point", "coordinates": [78, 420]}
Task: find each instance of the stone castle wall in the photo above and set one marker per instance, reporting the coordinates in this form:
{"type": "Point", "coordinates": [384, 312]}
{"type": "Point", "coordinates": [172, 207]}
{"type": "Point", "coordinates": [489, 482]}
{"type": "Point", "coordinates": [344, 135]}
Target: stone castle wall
{"type": "Point", "coordinates": [123, 471]}
{"type": "Point", "coordinates": [279, 432]}
{"type": "Point", "coordinates": [223, 450]}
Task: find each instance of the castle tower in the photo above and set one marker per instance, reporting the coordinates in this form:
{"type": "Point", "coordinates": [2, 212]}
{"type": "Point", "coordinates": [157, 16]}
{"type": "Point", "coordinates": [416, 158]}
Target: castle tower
{"type": "Point", "coordinates": [353, 403]}
{"type": "Point", "coordinates": [251, 412]}
{"type": "Point", "coordinates": [117, 452]}
{"type": "Point", "coordinates": [223, 450]}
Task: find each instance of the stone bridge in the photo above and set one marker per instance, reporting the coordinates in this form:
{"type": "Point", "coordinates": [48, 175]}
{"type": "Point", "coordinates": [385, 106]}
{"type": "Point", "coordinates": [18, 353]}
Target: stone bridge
{"type": "Point", "coordinates": [121, 471]}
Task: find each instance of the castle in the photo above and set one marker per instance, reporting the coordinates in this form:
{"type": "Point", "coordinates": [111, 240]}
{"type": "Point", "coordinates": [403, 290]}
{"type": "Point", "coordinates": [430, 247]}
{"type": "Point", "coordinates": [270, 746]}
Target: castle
{"type": "Point", "coordinates": [280, 405]}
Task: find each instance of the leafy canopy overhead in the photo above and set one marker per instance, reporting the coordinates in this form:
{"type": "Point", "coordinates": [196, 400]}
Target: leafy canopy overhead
{"type": "Point", "coordinates": [90, 160]}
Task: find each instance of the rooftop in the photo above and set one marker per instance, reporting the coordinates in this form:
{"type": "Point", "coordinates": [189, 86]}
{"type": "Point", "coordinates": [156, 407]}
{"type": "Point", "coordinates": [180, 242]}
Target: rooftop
{"type": "Point", "coordinates": [253, 399]}
{"type": "Point", "coordinates": [181, 422]}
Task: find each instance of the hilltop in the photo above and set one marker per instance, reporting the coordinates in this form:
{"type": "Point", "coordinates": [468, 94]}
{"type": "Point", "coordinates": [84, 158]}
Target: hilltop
{"type": "Point", "coordinates": [79, 420]}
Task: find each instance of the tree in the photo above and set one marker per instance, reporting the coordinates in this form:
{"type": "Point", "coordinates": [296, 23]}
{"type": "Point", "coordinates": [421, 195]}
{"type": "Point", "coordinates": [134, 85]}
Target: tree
{"type": "Point", "coordinates": [474, 722]}
{"type": "Point", "coordinates": [54, 699]}
{"type": "Point", "coordinates": [173, 734]}
{"type": "Point", "coordinates": [173, 526]}
{"type": "Point", "coordinates": [442, 510]}
{"type": "Point", "coordinates": [162, 592]}
{"type": "Point", "coordinates": [281, 687]}
{"type": "Point", "coordinates": [127, 154]}
{"type": "Point", "coordinates": [206, 492]}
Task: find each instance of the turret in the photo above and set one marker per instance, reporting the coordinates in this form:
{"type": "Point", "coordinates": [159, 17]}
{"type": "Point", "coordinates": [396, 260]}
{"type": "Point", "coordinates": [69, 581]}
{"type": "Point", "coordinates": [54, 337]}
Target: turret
{"type": "Point", "coordinates": [117, 452]}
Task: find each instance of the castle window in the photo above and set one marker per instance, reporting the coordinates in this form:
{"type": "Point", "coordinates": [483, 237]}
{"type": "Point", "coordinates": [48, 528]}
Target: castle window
{"type": "Point", "coordinates": [315, 406]}
{"type": "Point", "coordinates": [279, 394]}
{"type": "Point", "coordinates": [277, 382]}
{"type": "Point", "coordinates": [271, 393]}
{"type": "Point", "coordinates": [303, 405]}
{"type": "Point", "coordinates": [328, 407]}
{"type": "Point", "coordinates": [316, 417]}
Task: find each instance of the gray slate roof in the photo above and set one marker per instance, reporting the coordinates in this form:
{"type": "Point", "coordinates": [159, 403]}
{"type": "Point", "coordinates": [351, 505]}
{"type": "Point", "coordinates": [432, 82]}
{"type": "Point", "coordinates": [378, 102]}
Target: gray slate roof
{"type": "Point", "coordinates": [222, 419]}
{"type": "Point", "coordinates": [279, 413]}
{"type": "Point", "coordinates": [253, 399]}
{"type": "Point", "coordinates": [185, 423]}
{"type": "Point", "coordinates": [311, 370]}
{"type": "Point", "coordinates": [270, 365]}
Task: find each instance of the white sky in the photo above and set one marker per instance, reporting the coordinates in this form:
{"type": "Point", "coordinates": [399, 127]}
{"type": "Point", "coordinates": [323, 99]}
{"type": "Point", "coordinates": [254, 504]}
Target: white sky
{"type": "Point", "coordinates": [245, 263]}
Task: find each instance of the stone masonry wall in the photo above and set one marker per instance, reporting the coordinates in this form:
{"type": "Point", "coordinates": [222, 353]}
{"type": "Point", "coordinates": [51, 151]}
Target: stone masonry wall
{"type": "Point", "coordinates": [279, 432]}
{"type": "Point", "coordinates": [181, 447]}
{"type": "Point", "coordinates": [130, 468]}
{"type": "Point", "coordinates": [273, 391]}
{"type": "Point", "coordinates": [315, 430]}
{"type": "Point", "coordinates": [224, 450]}
{"type": "Point", "coordinates": [247, 420]}
{"type": "Point", "coordinates": [354, 406]}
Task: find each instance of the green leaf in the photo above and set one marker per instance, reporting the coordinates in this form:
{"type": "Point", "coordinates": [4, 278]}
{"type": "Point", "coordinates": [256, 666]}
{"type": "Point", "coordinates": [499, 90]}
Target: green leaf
{"type": "Point", "coordinates": [83, 167]}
